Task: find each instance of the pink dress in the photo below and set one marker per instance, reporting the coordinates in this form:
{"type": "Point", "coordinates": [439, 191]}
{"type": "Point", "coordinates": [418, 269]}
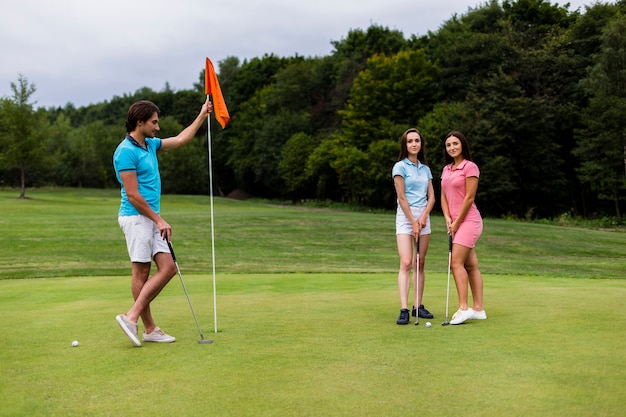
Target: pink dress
{"type": "Point", "coordinates": [453, 186]}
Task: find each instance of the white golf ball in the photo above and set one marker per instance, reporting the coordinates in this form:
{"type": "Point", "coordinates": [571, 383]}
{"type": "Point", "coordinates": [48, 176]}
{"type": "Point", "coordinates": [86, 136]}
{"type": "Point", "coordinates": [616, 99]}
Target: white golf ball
{"type": "Point", "coordinates": [75, 343]}
{"type": "Point", "coordinates": [428, 324]}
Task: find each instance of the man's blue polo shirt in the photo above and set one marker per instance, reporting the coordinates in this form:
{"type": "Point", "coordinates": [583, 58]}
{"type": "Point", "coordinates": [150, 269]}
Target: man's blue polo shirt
{"type": "Point", "coordinates": [416, 179]}
{"type": "Point", "coordinates": [131, 156]}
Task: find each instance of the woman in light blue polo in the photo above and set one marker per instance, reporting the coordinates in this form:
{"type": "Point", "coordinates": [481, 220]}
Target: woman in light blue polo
{"type": "Point", "coordinates": [416, 198]}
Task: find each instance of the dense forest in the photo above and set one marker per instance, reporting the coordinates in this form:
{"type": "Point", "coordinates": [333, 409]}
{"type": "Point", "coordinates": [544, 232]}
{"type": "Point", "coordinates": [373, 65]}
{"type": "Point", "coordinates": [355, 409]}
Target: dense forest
{"type": "Point", "coordinates": [538, 89]}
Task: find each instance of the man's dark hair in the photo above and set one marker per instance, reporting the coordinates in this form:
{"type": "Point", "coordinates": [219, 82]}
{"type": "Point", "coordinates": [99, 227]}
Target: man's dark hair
{"type": "Point", "coordinates": [140, 111]}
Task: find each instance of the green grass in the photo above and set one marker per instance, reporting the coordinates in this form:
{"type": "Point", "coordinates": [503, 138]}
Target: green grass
{"type": "Point", "coordinates": [307, 302]}
{"type": "Point", "coordinates": [65, 232]}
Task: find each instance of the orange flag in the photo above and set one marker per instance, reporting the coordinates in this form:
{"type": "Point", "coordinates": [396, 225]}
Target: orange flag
{"type": "Point", "coordinates": [212, 86]}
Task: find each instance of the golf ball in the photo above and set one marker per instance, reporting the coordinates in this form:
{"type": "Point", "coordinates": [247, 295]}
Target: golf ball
{"type": "Point", "coordinates": [75, 343]}
{"type": "Point", "coordinates": [428, 324]}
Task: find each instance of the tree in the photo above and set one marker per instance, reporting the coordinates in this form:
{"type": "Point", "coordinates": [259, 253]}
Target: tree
{"type": "Point", "coordinates": [243, 82]}
{"type": "Point", "coordinates": [21, 131]}
{"type": "Point", "coordinates": [292, 167]}
{"type": "Point", "coordinates": [512, 140]}
{"type": "Point", "coordinates": [351, 54]}
{"type": "Point", "coordinates": [602, 143]}
{"type": "Point", "coordinates": [445, 117]}
{"type": "Point", "coordinates": [469, 48]}
{"type": "Point", "coordinates": [534, 20]}
{"type": "Point", "coordinates": [377, 189]}
{"type": "Point", "coordinates": [57, 147]}
{"type": "Point", "coordinates": [515, 70]}
{"type": "Point", "coordinates": [318, 166]}
{"type": "Point", "coordinates": [391, 94]}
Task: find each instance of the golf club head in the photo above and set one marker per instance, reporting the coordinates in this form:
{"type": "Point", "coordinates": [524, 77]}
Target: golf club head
{"type": "Point", "coordinates": [417, 321]}
{"type": "Point", "coordinates": [445, 323]}
{"type": "Point", "coordinates": [205, 341]}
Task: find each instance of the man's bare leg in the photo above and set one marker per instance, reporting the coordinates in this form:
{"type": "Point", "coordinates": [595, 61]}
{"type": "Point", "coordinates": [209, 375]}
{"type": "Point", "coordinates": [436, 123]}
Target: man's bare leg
{"type": "Point", "coordinates": [146, 289]}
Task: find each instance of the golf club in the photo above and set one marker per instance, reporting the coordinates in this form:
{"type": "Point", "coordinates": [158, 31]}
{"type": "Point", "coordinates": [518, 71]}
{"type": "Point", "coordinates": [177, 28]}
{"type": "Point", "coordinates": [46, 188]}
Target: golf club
{"type": "Point", "coordinates": [202, 339]}
{"type": "Point", "coordinates": [417, 279]}
{"type": "Point", "coordinates": [445, 323]}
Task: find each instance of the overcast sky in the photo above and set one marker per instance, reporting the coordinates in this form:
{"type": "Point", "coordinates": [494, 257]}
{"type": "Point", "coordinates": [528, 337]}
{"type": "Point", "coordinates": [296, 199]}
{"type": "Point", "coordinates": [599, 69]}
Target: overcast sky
{"type": "Point", "coordinates": [84, 51]}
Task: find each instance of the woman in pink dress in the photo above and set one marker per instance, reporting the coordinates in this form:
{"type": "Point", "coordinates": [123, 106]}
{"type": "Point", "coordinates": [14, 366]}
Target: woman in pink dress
{"type": "Point", "coordinates": [459, 182]}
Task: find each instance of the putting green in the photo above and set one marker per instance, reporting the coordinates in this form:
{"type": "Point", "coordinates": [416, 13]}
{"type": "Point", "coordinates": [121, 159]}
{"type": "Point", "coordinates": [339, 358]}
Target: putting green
{"type": "Point", "coordinates": [314, 344]}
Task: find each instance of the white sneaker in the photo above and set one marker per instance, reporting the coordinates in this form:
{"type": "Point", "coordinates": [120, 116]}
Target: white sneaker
{"type": "Point", "coordinates": [158, 336]}
{"type": "Point", "coordinates": [479, 315]}
{"type": "Point", "coordinates": [461, 316]}
{"type": "Point", "coordinates": [129, 328]}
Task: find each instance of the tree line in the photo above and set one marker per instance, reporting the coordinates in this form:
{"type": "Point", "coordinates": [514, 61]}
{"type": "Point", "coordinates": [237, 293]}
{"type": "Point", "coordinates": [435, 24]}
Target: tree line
{"type": "Point", "coordinates": [538, 89]}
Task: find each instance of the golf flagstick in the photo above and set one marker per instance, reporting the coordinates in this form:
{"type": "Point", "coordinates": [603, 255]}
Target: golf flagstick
{"type": "Point", "coordinates": [213, 93]}
{"type": "Point", "coordinates": [445, 323]}
{"type": "Point", "coordinates": [417, 279]}
{"type": "Point", "coordinates": [212, 224]}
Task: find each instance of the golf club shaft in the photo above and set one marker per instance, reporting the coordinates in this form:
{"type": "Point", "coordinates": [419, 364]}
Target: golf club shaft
{"type": "Point", "coordinates": [417, 279]}
{"type": "Point", "coordinates": [449, 265]}
{"type": "Point", "coordinates": [185, 289]}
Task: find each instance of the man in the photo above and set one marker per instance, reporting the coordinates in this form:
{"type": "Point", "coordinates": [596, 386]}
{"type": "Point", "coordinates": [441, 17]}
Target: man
{"type": "Point", "coordinates": [147, 233]}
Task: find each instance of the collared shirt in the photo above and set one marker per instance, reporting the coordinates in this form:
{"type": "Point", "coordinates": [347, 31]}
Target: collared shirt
{"type": "Point", "coordinates": [416, 179]}
{"type": "Point", "coordinates": [453, 186]}
{"type": "Point", "coordinates": [131, 156]}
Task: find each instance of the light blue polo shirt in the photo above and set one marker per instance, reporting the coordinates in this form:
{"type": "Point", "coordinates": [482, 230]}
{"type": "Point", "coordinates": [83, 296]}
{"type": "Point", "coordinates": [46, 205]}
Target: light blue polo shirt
{"type": "Point", "coordinates": [130, 156]}
{"type": "Point", "coordinates": [416, 178]}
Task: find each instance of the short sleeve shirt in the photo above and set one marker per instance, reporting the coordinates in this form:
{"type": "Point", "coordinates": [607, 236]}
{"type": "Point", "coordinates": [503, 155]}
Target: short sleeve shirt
{"type": "Point", "coordinates": [416, 179]}
{"type": "Point", "coordinates": [453, 186]}
{"type": "Point", "coordinates": [131, 156]}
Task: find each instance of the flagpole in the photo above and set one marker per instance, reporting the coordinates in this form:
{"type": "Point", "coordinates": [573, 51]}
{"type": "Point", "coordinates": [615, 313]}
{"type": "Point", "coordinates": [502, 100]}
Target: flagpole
{"type": "Point", "coordinates": [212, 90]}
{"type": "Point", "coordinates": [212, 223]}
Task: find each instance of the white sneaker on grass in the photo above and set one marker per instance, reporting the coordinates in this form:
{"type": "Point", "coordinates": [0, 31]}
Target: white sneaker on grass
{"type": "Point", "coordinates": [479, 315]}
{"type": "Point", "coordinates": [461, 316]}
{"type": "Point", "coordinates": [129, 328]}
{"type": "Point", "coordinates": [158, 336]}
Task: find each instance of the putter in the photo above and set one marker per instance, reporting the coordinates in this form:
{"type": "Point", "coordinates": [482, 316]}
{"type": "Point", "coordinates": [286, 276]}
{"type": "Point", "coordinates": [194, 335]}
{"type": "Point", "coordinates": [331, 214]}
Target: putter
{"type": "Point", "coordinates": [202, 339]}
{"type": "Point", "coordinates": [417, 279]}
{"type": "Point", "coordinates": [445, 323]}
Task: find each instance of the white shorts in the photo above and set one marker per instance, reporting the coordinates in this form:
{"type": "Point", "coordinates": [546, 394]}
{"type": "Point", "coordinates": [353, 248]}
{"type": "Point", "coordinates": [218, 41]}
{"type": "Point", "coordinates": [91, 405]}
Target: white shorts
{"type": "Point", "coordinates": [404, 226]}
{"type": "Point", "coordinates": [143, 238]}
